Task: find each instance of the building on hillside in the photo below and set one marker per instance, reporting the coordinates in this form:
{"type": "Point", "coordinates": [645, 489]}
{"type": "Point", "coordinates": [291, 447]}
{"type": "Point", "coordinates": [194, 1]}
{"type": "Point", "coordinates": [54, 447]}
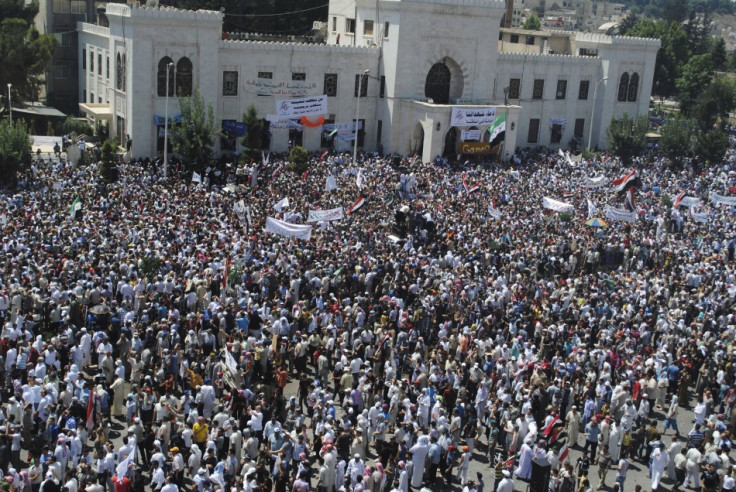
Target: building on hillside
{"type": "Point", "coordinates": [414, 64]}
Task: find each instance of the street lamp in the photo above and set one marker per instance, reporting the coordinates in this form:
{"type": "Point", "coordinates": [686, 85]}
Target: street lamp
{"type": "Point", "coordinates": [592, 111]}
{"type": "Point", "coordinates": [166, 122]}
{"type": "Point", "coordinates": [10, 106]}
{"type": "Point", "coordinates": [357, 113]}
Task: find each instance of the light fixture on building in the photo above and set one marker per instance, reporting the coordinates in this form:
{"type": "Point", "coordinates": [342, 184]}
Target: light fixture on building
{"type": "Point", "coordinates": [438, 126]}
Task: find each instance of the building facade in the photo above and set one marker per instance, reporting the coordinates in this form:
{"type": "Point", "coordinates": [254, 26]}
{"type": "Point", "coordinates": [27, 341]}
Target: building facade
{"type": "Point", "coordinates": [410, 61]}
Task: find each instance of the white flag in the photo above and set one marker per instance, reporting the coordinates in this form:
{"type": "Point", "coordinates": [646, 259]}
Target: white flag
{"type": "Point", "coordinates": [494, 212]}
{"type": "Point", "coordinates": [331, 183]}
{"type": "Point", "coordinates": [265, 158]}
{"type": "Point", "coordinates": [592, 209]}
{"type": "Point", "coordinates": [230, 362]}
{"type": "Point", "coordinates": [282, 204]}
{"type": "Point", "coordinates": [359, 179]}
{"type": "Point", "coordinates": [196, 177]}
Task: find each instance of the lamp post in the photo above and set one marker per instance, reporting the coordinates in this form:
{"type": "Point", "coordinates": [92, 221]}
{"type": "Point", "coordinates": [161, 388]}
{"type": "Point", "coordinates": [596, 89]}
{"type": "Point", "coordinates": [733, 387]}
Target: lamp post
{"type": "Point", "coordinates": [592, 111]}
{"type": "Point", "coordinates": [10, 106]}
{"type": "Point", "coordinates": [357, 113]}
{"type": "Point", "coordinates": [166, 122]}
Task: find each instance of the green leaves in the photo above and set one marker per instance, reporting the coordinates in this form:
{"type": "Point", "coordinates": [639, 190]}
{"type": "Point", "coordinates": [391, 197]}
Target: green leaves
{"type": "Point", "coordinates": [108, 161]}
{"type": "Point", "coordinates": [532, 23]}
{"type": "Point", "coordinates": [626, 137]}
{"type": "Point", "coordinates": [253, 128]}
{"type": "Point", "coordinates": [15, 145]}
{"type": "Point", "coordinates": [678, 137]}
{"type": "Point", "coordinates": [193, 139]}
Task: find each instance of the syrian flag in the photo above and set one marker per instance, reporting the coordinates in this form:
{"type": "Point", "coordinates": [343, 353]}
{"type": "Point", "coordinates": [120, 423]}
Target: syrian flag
{"type": "Point", "coordinates": [358, 204]}
{"type": "Point", "coordinates": [321, 157]}
{"type": "Point", "coordinates": [276, 171]}
{"type": "Point", "coordinates": [592, 209]}
{"type": "Point", "coordinates": [564, 451]}
{"type": "Point", "coordinates": [549, 427]}
{"type": "Point", "coordinates": [498, 129]}
{"type": "Point", "coordinates": [91, 410]}
{"type": "Point", "coordinates": [413, 159]}
{"type": "Point", "coordinates": [624, 181]}
{"type": "Point", "coordinates": [678, 200]}
{"type": "Point", "coordinates": [630, 199]}
{"type": "Point", "coordinates": [469, 188]}
{"type": "Point", "coordinates": [555, 435]}
{"type": "Point", "coordinates": [75, 207]}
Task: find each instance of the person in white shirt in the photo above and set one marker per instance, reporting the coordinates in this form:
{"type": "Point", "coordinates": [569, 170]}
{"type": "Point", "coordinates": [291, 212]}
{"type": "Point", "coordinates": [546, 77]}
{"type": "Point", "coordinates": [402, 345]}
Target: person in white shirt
{"type": "Point", "coordinates": [157, 476]}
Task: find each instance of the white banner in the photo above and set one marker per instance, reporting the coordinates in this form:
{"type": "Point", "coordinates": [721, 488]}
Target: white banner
{"type": "Point", "coordinates": [342, 127]}
{"type": "Point", "coordinates": [494, 213]}
{"type": "Point", "coordinates": [557, 205]}
{"type": "Point", "coordinates": [723, 200]}
{"type": "Point", "coordinates": [473, 135]}
{"type": "Point", "coordinates": [472, 116]}
{"type": "Point", "coordinates": [196, 178]}
{"type": "Point", "coordinates": [558, 121]}
{"type": "Point", "coordinates": [275, 226]}
{"type": "Point", "coordinates": [303, 106]}
{"type": "Point", "coordinates": [698, 217]}
{"type": "Point", "coordinates": [596, 182]}
{"type": "Point", "coordinates": [688, 201]}
{"type": "Point", "coordinates": [269, 87]}
{"type": "Point", "coordinates": [326, 215]}
{"type": "Point", "coordinates": [286, 125]}
{"type": "Point", "coordinates": [618, 214]}
{"type": "Point", "coordinates": [331, 183]}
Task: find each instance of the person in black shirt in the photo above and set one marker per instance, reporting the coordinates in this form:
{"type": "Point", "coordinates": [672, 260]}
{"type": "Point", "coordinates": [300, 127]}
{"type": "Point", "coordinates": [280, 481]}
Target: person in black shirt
{"type": "Point", "coordinates": [583, 465]}
{"type": "Point", "coordinates": [709, 479]}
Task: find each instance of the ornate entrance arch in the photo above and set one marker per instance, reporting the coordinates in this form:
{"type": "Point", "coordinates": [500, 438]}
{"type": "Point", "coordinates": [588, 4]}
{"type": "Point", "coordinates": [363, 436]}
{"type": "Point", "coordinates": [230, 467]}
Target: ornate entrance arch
{"type": "Point", "coordinates": [444, 81]}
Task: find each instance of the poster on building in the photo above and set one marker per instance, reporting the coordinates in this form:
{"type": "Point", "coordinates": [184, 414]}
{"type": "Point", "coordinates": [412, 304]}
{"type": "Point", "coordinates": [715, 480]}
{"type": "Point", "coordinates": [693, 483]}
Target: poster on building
{"type": "Point", "coordinates": [303, 106]}
{"type": "Point", "coordinates": [292, 88]}
{"type": "Point", "coordinates": [472, 116]}
{"type": "Point", "coordinates": [473, 135]}
{"type": "Point", "coordinates": [475, 148]}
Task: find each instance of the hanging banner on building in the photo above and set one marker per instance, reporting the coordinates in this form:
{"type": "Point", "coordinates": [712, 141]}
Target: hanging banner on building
{"type": "Point", "coordinates": [475, 148]}
{"type": "Point", "coordinates": [303, 106]}
{"type": "Point", "coordinates": [326, 215]}
{"type": "Point", "coordinates": [473, 135]}
{"type": "Point", "coordinates": [292, 88]}
{"type": "Point", "coordinates": [286, 125]}
{"type": "Point", "coordinates": [342, 127]}
{"type": "Point", "coordinates": [472, 116]}
{"type": "Point", "coordinates": [558, 121]}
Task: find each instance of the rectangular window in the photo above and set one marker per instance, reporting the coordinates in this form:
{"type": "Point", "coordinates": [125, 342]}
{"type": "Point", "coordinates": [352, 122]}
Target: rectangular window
{"type": "Point", "coordinates": [66, 40]}
{"type": "Point", "coordinates": [514, 88]}
{"type": "Point", "coordinates": [92, 97]}
{"type": "Point", "coordinates": [61, 6]}
{"type": "Point", "coordinates": [367, 27]}
{"type": "Point", "coordinates": [92, 62]}
{"type": "Point", "coordinates": [556, 134]}
{"type": "Point", "coordinates": [99, 64]}
{"type": "Point", "coordinates": [84, 59]}
{"type": "Point", "coordinates": [382, 91]}
{"type": "Point", "coordinates": [583, 91]}
{"type": "Point", "coordinates": [84, 95]}
{"type": "Point", "coordinates": [99, 100]}
{"type": "Point", "coordinates": [561, 89]}
{"type": "Point", "coordinates": [298, 76]}
{"type": "Point", "coordinates": [229, 83]}
{"type": "Point", "coordinates": [265, 75]}
{"type": "Point", "coordinates": [386, 25]}
{"type": "Point", "coordinates": [334, 24]}
{"type": "Point", "coordinates": [62, 72]}
{"type": "Point", "coordinates": [538, 91]}
{"type": "Point", "coordinates": [79, 6]}
{"type": "Point", "coordinates": [514, 38]}
{"type": "Point", "coordinates": [107, 67]}
{"type": "Point", "coordinates": [363, 86]}
{"type": "Point", "coordinates": [361, 132]}
{"type": "Point", "coordinates": [227, 141]}
{"type": "Point", "coordinates": [530, 40]}
{"type": "Point", "coordinates": [579, 127]}
{"type": "Point", "coordinates": [533, 136]}
{"type": "Point", "coordinates": [350, 26]}
{"type": "Point", "coordinates": [379, 131]}
{"type": "Point", "coordinates": [330, 86]}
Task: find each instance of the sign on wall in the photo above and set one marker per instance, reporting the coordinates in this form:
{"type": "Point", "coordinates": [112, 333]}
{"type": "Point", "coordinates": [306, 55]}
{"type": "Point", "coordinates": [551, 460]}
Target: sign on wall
{"type": "Point", "coordinates": [268, 87]}
{"type": "Point", "coordinates": [472, 116]}
{"type": "Point", "coordinates": [470, 135]}
{"type": "Point", "coordinates": [303, 106]}
{"type": "Point", "coordinates": [475, 148]}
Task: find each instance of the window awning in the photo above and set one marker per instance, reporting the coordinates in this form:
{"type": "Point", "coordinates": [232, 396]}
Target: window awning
{"type": "Point", "coordinates": [97, 111]}
{"type": "Point", "coordinates": [39, 110]}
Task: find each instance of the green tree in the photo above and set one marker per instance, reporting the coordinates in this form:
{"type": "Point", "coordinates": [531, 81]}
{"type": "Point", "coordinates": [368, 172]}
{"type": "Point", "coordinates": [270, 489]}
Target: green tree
{"type": "Point", "coordinates": [711, 145]}
{"type": "Point", "coordinates": [74, 125]}
{"type": "Point", "coordinates": [194, 137]}
{"type": "Point", "coordinates": [674, 11]}
{"type": "Point", "coordinates": [108, 161]}
{"type": "Point", "coordinates": [627, 23]}
{"type": "Point", "coordinates": [716, 101]}
{"type": "Point", "coordinates": [672, 55]}
{"type": "Point", "coordinates": [24, 52]}
{"type": "Point", "coordinates": [253, 129]}
{"type": "Point", "coordinates": [626, 137]}
{"type": "Point", "coordinates": [678, 137]}
{"type": "Point", "coordinates": [696, 77]}
{"type": "Point", "coordinates": [15, 146]}
{"type": "Point", "coordinates": [718, 54]}
{"type": "Point", "coordinates": [532, 23]}
{"type": "Point", "coordinates": [298, 159]}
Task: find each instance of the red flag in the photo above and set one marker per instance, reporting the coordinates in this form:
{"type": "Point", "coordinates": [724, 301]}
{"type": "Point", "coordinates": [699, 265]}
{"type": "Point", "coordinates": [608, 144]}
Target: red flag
{"type": "Point", "coordinates": [630, 199]}
{"type": "Point", "coordinates": [555, 435]}
{"type": "Point", "coordinates": [323, 154]}
{"type": "Point", "coordinates": [414, 159]}
{"type": "Point", "coordinates": [91, 410]}
{"type": "Point", "coordinates": [469, 188]}
{"type": "Point", "coordinates": [624, 181]}
{"type": "Point", "coordinates": [304, 176]}
{"type": "Point", "coordinates": [549, 426]}
{"type": "Point", "coordinates": [678, 200]}
{"type": "Point", "coordinates": [564, 450]}
{"type": "Point", "coordinates": [358, 203]}
{"type": "Point", "coordinates": [509, 463]}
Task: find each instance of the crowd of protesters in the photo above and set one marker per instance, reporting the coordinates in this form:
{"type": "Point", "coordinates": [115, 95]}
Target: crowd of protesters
{"type": "Point", "coordinates": [152, 337]}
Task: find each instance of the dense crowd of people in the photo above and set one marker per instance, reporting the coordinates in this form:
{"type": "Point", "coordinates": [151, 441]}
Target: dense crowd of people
{"type": "Point", "coordinates": [154, 335]}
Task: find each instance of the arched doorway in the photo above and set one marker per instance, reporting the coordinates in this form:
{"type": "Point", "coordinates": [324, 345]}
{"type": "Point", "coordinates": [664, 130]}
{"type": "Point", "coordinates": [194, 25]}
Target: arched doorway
{"type": "Point", "coordinates": [450, 148]}
{"type": "Point", "coordinates": [417, 140]}
{"type": "Point", "coordinates": [437, 84]}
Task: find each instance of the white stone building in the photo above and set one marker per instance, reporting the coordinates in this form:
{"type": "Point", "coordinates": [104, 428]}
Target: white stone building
{"type": "Point", "coordinates": [423, 57]}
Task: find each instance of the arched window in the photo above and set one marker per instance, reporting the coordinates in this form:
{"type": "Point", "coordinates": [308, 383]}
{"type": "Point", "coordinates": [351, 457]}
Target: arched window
{"type": "Point", "coordinates": [120, 72]}
{"type": "Point", "coordinates": [184, 77]}
{"type": "Point", "coordinates": [633, 87]}
{"type": "Point", "coordinates": [437, 85]}
{"type": "Point", "coordinates": [623, 86]}
{"type": "Point", "coordinates": [163, 66]}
